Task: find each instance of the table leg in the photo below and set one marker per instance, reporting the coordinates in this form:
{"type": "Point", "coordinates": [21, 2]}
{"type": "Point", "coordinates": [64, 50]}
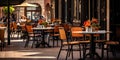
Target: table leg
{"type": "Point", "coordinates": [43, 43]}
{"type": "Point", "coordinates": [92, 52]}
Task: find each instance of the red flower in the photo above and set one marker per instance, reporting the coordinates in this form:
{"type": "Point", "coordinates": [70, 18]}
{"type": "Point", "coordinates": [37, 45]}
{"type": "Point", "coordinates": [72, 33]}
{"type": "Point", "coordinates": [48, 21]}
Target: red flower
{"type": "Point", "coordinates": [94, 20]}
{"type": "Point", "coordinates": [93, 23]}
{"type": "Point", "coordinates": [40, 21]}
{"type": "Point", "coordinates": [87, 23]}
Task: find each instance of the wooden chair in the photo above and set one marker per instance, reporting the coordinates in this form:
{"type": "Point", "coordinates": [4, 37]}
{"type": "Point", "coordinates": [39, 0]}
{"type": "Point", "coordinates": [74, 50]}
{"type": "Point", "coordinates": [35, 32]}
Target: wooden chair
{"type": "Point", "coordinates": [69, 43]}
{"type": "Point", "coordinates": [111, 47]}
{"type": "Point", "coordinates": [14, 29]}
{"type": "Point", "coordinates": [67, 28]}
{"type": "Point", "coordinates": [55, 35]}
{"type": "Point", "coordinates": [32, 36]}
{"type": "Point", "coordinates": [79, 37]}
{"type": "Point", "coordinates": [23, 31]}
{"type": "Point", "coordinates": [17, 29]}
{"type": "Point", "coordinates": [2, 38]}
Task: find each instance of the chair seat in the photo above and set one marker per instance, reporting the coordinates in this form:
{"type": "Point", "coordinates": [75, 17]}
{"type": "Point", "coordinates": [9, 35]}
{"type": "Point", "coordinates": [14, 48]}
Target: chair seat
{"type": "Point", "coordinates": [76, 42]}
{"type": "Point", "coordinates": [71, 43]}
{"type": "Point", "coordinates": [54, 34]}
{"type": "Point", "coordinates": [84, 42]}
{"type": "Point", "coordinates": [100, 41]}
{"type": "Point", "coordinates": [34, 34]}
{"type": "Point", "coordinates": [112, 42]}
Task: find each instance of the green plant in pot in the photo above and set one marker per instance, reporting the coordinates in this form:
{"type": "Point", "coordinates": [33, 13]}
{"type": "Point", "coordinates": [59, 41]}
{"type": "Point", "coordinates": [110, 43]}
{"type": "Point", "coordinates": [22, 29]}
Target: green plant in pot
{"type": "Point", "coordinates": [5, 10]}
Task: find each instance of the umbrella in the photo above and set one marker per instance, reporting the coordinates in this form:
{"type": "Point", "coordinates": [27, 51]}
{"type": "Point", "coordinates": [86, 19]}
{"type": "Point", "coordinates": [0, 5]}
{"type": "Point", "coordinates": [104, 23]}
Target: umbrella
{"type": "Point", "coordinates": [25, 4]}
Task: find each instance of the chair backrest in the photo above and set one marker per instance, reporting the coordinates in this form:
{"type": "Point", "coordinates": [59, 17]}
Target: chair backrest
{"type": "Point", "coordinates": [14, 25]}
{"type": "Point", "coordinates": [2, 25]}
{"type": "Point", "coordinates": [76, 34]}
{"type": "Point", "coordinates": [2, 32]}
{"type": "Point", "coordinates": [66, 27]}
{"type": "Point", "coordinates": [23, 27]}
{"type": "Point", "coordinates": [29, 28]}
{"type": "Point", "coordinates": [62, 34]}
{"type": "Point", "coordinates": [56, 29]}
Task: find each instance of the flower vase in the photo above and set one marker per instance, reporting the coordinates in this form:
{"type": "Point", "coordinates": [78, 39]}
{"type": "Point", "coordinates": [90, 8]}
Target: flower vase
{"type": "Point", "coordinates": [42, 26]}
{"type": "Point", "coordinates": [90, 29]}
{"type": "Point", "coordinates": [86, 29]}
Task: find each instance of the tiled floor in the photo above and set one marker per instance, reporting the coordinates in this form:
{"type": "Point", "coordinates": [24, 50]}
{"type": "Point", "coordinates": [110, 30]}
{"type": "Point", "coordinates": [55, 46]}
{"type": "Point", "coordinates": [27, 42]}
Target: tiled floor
{"type": "Point", "coordinates": [16, 51]}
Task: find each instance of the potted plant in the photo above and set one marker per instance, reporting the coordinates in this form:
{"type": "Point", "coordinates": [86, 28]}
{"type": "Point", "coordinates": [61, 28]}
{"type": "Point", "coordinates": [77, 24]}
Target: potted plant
{"type": "Point", "coordinates": [94, 23]}
{"type": "Point", "coordinates": [42, 22]}
{"type": "Point", "coordinates": [5, 10]}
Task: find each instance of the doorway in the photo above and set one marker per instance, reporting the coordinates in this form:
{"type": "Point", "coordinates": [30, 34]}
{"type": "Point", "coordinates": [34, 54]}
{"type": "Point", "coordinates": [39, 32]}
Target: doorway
{"type": "Point", "coordinates": [33, 13]}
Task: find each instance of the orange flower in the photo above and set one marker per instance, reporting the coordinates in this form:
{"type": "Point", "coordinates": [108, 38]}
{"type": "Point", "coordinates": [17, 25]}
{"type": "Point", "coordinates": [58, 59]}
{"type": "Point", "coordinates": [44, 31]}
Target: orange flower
{"type": "Point", "coordinates": [95, 23]}
{"type": "Point", "coordinates": [94, 20]}
{"type": "Point", "coordinates": [92, 23]}
{"type": "Point", "coordinates": [40, 21]}
{"type": "Point", "coordinates": [87, 23]}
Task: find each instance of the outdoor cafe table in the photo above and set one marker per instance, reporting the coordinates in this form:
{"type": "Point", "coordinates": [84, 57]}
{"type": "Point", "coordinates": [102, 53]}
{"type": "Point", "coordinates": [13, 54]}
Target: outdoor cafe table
{"type": "Point", "coordinates": [43, 34]}
{"type": "Point", "coordinates": [92, 51]}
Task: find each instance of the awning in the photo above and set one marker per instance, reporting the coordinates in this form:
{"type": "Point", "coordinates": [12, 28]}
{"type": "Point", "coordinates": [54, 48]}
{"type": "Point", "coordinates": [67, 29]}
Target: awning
{"type": "Point", "coordinates": [25, 4]}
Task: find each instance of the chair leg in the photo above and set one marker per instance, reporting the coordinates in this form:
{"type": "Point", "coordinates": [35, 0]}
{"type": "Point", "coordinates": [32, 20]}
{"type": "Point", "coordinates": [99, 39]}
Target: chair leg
{"type": "Point", "coordinates": [113, 50]}
{"type": "Point", "coordinates": [53, 43]}
{"type": "Point", "coordinates": [80, 50]}
{"type": "Point", "coordinates": [84, 50]}
{"type": "Point", "coordinates": [27, 42]}
{"type": "Point", "coordinates": [53, 40]}
{"type": "Point", "coordinates": [68, 52]}
{"type": "Point", "coordinates": [1, 46]}
{"type": "Point", "coordinates": [71, 50]}
{"type": "Point", "coordinates": [59, 52]}
{"type": "Point", "coordinates": [57, 42]}
{"type": "Point", "coordinates": [107, 52]}
{"type": "Point", "coordinates": [33, 43]}
{"type": "Point", "coordinates": [102, 50]}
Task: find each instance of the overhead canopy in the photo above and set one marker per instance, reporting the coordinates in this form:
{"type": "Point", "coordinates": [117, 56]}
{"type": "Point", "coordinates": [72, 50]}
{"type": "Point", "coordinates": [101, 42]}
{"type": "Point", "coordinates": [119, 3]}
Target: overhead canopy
{"type": "Point", "coordinates": [25, 4]}
{"type": "Point", "coordinates": [12, 2]}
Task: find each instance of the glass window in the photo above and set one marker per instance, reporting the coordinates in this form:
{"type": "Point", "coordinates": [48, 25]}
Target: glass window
{"type": "Point", "coordinates": [31, 8]}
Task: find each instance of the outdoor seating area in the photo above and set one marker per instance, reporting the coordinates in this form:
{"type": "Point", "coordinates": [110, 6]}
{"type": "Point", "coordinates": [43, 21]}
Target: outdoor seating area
{"type": "Point", "coordinates": [17, 51]}
{"type": "Point", "coordinates": [72, 43]}
{"type": "Point", "coordinates": [59, 30]}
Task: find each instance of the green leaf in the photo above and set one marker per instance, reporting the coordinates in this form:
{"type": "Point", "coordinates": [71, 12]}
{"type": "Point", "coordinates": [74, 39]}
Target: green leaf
{"type": "Point", "coordinates": [5, 9]}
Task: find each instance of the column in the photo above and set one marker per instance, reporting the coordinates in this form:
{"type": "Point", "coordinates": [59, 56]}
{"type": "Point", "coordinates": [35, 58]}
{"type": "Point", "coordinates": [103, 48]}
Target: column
{"type": "Point", "coordinates": [108, 18]}
{"type": "Point", "coordinates": [59, 9]}
{"type": "Point", "coordinates": [65, 11]}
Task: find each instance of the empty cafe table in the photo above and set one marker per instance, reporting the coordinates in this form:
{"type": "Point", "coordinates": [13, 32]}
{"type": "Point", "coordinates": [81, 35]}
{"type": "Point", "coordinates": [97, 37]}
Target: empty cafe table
{"type": "Point", "coordinates": [43, 43]}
